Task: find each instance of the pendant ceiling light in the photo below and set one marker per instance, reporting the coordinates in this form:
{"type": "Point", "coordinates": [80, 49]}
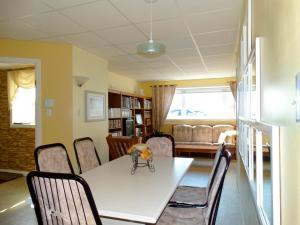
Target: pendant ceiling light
{"type": "Point", "coordinates": [151, 48]}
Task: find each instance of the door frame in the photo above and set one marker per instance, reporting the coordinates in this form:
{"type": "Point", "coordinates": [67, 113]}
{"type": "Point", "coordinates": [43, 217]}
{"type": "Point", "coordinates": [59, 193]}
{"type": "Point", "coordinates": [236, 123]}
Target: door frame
{"type": "Point", "coordinates": [38, 79]}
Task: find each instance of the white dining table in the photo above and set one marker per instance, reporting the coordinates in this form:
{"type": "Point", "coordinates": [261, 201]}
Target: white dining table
{"type": "Point", "coordinates": [123, 198]}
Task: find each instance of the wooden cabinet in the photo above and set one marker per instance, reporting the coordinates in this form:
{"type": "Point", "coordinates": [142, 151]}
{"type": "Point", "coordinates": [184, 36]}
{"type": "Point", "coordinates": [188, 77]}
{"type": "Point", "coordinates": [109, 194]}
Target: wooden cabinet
{"type": "Point", "coordinates": [129, 114]}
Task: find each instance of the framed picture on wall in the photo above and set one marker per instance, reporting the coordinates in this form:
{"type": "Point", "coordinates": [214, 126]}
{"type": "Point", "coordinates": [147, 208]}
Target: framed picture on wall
{"type": "Point", "coordinates": [95, 106]}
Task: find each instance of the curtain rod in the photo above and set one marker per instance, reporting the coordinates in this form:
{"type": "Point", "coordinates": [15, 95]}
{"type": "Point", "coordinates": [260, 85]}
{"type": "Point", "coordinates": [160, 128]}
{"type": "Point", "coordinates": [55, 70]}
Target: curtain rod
{"type": "Point", "coordinates": [24, 68]}
{"type": "Point", "coordinates": [161, 85]}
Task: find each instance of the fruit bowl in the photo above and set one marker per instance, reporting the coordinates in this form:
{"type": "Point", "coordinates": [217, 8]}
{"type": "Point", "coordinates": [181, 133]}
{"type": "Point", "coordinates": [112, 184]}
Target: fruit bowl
{"type": "Point", "coordinates": [141, 156]}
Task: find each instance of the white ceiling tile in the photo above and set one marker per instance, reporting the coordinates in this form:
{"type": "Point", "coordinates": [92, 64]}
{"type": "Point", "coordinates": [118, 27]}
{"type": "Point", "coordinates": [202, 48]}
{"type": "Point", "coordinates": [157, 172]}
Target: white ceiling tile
{"type": "Point", "coordinates": [87, 39]}
{"type": "Point", "coordinates": [16, 29]}
{"type": "Point", "coordinates": [212, 21]}
{"type": "Point", "coordinates": [192, 66]}
{"type": "Point", "coordinates": [187, 60]}
{"type": "Point", "coordinates": [52, 39]}
{"type": "Point", "coordinates": [19, 8]}
{"type": "Point", "coordinates": [122, 35]}
{"type": "Point", "coordinates": [217, 50]}
{"type": "Point", "coordinates": [123, 59]}
{"type": "Point", "coordinates": [139, 11]}
{"type": "Point", "coordinates": [106, 51]}
{"type": "Point", "coordinates": [129, 48]}
{"type": "Point", "coordinates": [97, 15]}
{"type": "Point", "coordinates": [59, 4]}
{"type": "Point", "coordinates": [174, 44]}
{"type": "Point", "coordinates": [160, 64]}
{"type": "Point", "coordinates": [196, 6]}
{"type": "Point", "coordinates": [165, 29]}
{"type": "Point", "coordinates": [53, 23]}
{"type": "Point", "coordinates": [183, 53]}
{"type": "Point", "coordinates": [216, 38]}
{"type": "Point", "coordinates": [219, 58]}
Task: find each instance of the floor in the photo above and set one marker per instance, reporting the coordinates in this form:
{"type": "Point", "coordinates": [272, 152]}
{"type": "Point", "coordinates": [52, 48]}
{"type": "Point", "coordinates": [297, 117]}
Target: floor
{"type": "Point", "coordinates": [15, 210]}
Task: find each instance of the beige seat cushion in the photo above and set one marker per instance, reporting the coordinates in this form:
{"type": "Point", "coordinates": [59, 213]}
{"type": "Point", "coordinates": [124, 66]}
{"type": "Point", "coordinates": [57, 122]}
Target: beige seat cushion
{"type": "Point", "coordinates": [202, 133]}
{"type": "Point", "coordinates": [195, 195]}
{"type": "Point", "coordinates": [182, 216]}
{"type": "Point", "coordinates": [183, 133]}
{"type": "Point", "coordinates": [218, 129]}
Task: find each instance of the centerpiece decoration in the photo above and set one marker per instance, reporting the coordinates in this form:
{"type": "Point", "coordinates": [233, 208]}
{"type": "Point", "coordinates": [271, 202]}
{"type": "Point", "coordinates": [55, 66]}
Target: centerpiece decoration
{"type": "Point", "coordinates": [141, 156]}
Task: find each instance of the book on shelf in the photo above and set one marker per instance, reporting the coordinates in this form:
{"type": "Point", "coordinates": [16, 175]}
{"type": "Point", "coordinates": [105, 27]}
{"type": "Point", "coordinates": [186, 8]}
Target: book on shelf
{"type": "Point", "coordinates": [126, 113]}
{"type": "Point", "coordinates": [147, 104]}
{"type": "Point", "coordinates": [139, 119]}
{"type": "Point", "coordinates": [127, 102]}
{"type": "Point", "coordinates": [116, 133]}
{"type": "Point", "coordinates": [137, 103]}
{"type": "Point", "coordinates": [147, 114]}
{"type": "Point", "coordinates": [114, 112]}
{"type": "Point", "coordinates": [114, 124]}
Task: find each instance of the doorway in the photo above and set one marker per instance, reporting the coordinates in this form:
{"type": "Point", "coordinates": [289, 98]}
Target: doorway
{"type": "Point", "coordinates": [20, 123]}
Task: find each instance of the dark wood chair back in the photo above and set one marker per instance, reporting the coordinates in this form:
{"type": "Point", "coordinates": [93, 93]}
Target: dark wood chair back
{"type": "Point", "coordinates": [118, 145]}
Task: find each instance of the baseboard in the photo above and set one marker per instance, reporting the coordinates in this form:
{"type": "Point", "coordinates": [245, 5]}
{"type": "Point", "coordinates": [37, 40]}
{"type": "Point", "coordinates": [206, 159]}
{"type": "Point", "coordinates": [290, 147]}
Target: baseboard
{"type": "Point", "coordinates": [23, 172]}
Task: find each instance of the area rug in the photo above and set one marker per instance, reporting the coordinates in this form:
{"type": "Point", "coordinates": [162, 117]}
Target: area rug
{"type": "Point", "coordinates": [6, 176]}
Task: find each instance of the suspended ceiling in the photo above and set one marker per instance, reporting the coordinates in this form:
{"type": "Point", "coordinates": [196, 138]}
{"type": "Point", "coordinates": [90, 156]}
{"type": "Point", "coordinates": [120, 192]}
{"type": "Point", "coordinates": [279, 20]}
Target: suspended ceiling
{"type": "Point", "coordinates": [200, 35]}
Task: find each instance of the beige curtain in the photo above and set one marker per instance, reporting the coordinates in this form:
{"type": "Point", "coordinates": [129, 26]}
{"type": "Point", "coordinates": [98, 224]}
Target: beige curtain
{"type": "Point", "coordinates": [232, 85]}
{"type": "Point", "coordinates": [19, 78]}
{"type": "Point", "coordinates": [162, 96]}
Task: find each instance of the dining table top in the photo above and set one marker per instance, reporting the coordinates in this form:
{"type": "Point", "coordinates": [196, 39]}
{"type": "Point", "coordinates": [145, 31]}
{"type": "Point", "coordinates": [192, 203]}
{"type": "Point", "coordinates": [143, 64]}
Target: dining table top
{"type": "Point", "coordinates": [140, 197]}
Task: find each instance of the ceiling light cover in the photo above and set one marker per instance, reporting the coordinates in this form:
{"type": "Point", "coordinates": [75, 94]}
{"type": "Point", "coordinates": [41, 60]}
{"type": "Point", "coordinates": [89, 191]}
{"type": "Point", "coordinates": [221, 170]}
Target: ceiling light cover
{"type": "Point", "coordinates": [151, 49]}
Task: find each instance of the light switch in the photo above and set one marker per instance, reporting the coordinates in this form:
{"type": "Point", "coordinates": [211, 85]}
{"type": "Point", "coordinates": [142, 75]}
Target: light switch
{"type": "Point", "coordinates": [49, 102]}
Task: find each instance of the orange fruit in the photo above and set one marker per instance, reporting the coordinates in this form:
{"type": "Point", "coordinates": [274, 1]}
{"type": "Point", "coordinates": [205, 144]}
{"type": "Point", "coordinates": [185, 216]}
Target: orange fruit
{"type": "Point", "coordinates": [146, 154]}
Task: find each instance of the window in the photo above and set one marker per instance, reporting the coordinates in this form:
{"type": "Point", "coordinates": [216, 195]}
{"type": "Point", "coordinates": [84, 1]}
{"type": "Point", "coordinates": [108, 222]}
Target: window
{"type": "Point", "coordinates": [23, 107]}
{"type": "Point", "coordinates": [202, 103]}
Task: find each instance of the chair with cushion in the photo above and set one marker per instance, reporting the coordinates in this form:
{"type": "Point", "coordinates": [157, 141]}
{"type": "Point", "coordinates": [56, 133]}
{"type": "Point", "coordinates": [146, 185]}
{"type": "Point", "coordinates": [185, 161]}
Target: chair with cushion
{"type": "Point", "coordinates": [198, 195]}
{"type": "Point", "coordinates": [61, 198]}
{"type": "Point", "coordinates": [199, 214]}
{"type": "Point", "coordinates": [118, 145]}
{"type": "Point", "coordinates": [86, 154]}
{"type": "Point", "coordinates": [162, 145]}
{"type": "Point", "coordinates": [53, 158]}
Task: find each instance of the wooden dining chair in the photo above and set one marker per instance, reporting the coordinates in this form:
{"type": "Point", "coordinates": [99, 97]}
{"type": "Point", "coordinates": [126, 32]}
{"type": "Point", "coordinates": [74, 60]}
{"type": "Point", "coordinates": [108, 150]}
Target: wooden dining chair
{"type": "Point", "coordinates": [86, 154]}
{"type": "Point", "coordinates": [162, 145]}
{"type": "Point", "coordinates": [198, 195]}
{"type": "Point", "coordinates": [118, 145]}
{"type": "Point", "coordinates": [199, 214]}
{"type": "Point", "coordinates": [53, 158]}
{"type": "Point", "coordinates": [61, 198]}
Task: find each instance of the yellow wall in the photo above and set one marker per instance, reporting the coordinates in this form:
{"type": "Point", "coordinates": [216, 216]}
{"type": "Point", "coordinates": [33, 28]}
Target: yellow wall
{"type": "Point", "coordinates": [56, 68]}
{"type": "Point", "coordinates": [121, 83]}
{"type": "Point", "coordinates": [278, 22]}
{"type": "Point", "coordinates": [167, 127]}
{"type": "Point", "coordinates": [95, 68]}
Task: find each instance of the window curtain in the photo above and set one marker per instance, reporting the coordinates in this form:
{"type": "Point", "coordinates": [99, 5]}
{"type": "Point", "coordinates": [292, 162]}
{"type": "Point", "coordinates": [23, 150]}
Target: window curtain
{"type": "Point", "coordinates": [162, 96]}
{"type": "Point", "coordinates": [19, 78]}
{"type": "Point", "coordinates": [232, 85]}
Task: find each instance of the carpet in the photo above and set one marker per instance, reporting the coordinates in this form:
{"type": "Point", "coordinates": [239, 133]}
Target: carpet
{"type": "Point", "coordinates": [6, 176]}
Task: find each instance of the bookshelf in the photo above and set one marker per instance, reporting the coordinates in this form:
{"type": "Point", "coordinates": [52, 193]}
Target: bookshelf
{"type": "Point", "coordinates": [129, 114]}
